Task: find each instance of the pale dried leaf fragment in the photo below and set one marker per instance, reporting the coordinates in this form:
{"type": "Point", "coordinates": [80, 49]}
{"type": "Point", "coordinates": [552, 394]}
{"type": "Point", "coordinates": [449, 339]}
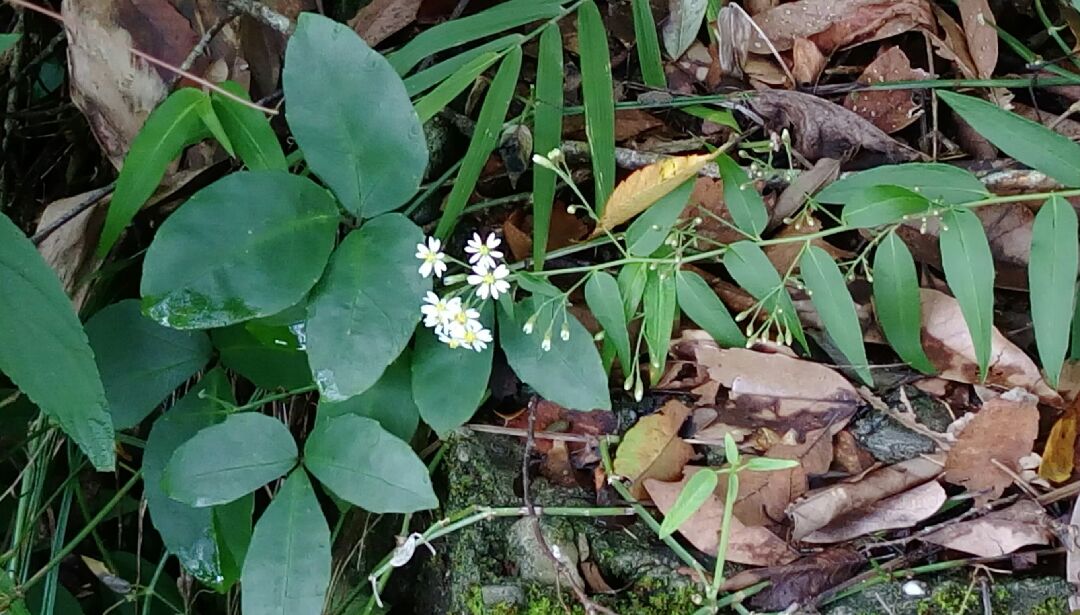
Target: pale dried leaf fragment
{"type": "Point", "coordinates": [890, 111]}
{"type": "Point", "coordinates": [835, 24]}
{"type": "Point", "coordinates": [1059, 456]}
{"type": "Point", "coordinates": [646, 186]}
{"type": "Point", "coordinates": [980, 34]}
{"type": "Point", "coordinates": [70, 249]}
{"type": "Point", "coordinates": [652, 448]}
{"type": "Point", "coordinates": [807, 61]}
{"type": "Point", "coordinates": [381, 19]}
{"type": "Point", "coordinates": [998, 533]}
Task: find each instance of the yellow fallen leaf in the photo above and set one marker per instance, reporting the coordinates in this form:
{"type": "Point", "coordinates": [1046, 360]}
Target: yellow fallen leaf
{"type": "Point", "coordinates": [646, 186]}
{"type": "Point", "coordinates": [1058, 458]}
{"type": "Point", "coordinates": [652, 448]}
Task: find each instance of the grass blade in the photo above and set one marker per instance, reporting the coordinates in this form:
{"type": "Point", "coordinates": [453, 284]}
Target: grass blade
{"type": "Point", "coordinates": [547, 133]}
{"type": "Point", "coordinates": [429, 77]}
{"type": "Point", "coordinates": [1052, 281]}
{"type": "Point", "coordinates": [249, 130]}
{"type": "Point", "coordinates": [648, 45]}
{"type": "Point", "coordinates": [829, 294]}
{"type": "Point", "coordinates": [897, 303]}
{"type": "Point", "coordinates": [452, 86]}
{"type": "Point", "coordinates": [969, 270]}
{"type": "Point", "coordinates": [599, 101]}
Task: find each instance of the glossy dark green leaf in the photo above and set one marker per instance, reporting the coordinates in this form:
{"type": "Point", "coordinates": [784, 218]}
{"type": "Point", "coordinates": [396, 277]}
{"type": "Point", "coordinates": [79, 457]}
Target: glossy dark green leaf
{"type": "Point", "coordinates": [880, 205]}
{"type": "Point", "coordinates": [44, 351]}
{"type": "Point", "coordinates": [830, 296]}
{"type": "Point", "coordinates": [1029, 142]}
{"type": "Point", "coordinates": [263, 240]}
{"type": "Point", "coordinates": [232, 530]}
{"type": "Point", "coordinates": [140, 361]}
{"type": "Point", "coordinates": [932, 180]}
{"type": "Point", "coordinates": [699, 302]}
{"type": "Point", "coordinates": [648, 45]}
{"type": "Point", "coordinates": [753, 271]}
{"type": "Point", "coordinates": [649, 230]}
{"type": "Point", "coordinates": [693, 496]}
{"type": "Point", "coordinates": [267, 355]}
{"type": "Point", "coordinates": [897, 302]}
{"type": "Point", "coordinates": [349, 113]}
{"type": "Point", "coordinates": [547, 135]}
{"type": "Point", "coordinates": [368, 466]}
{"type": "Point", "coordinates": [389, 401]}
{"type": "Point", "coordinates": [570, 373]}
{"type": "Point", "coordinates": [741, 197]}
{"type": "Point", "coordinates": [969, 271]}
{"type": "Point", "coordinates": [661, 306]}
{"type": "Point", "coordinates": [363, 313]}
{"type": "Point", "coordinates": [248, 130]}
{"type": "Point", "coordinates": [287, 568]}
{"type": "Point", "coordinates": [606, 302]}
{"type": "Point", "coordinates": [448, 384]}
{"type": "Point", "coordinates": [425, 79]}
{"type": "Point", "coordinates": [682, 26]}
{"type": "Point", "coordinates": [1052, 273]}
{"type": "Point", "coordinates": [228, 460]}
{"type": "Point", "coordinates": [598, 98]}
{"type": "Point", "coordinates": [175, 124]}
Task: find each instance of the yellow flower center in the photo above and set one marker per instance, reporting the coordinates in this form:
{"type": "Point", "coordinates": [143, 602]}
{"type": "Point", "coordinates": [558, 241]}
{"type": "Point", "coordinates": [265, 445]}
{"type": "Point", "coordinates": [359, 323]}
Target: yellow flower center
{"type": "Point", "coordinates": [489, 278]}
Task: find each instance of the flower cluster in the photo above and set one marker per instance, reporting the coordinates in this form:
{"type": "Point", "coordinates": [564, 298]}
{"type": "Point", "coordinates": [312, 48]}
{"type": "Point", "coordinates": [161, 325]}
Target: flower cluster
{"type": "Point", "coordinates": [455, 320]}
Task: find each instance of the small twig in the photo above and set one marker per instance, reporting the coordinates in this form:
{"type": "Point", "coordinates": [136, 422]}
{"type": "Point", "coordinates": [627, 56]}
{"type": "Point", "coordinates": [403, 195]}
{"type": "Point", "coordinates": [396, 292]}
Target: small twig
{"type": "Point", "coordinates": [200, 48]}
{"type": "Point", "coordinates": [91, 199]}
{"type": "Point", "coordinates": [263, 14]}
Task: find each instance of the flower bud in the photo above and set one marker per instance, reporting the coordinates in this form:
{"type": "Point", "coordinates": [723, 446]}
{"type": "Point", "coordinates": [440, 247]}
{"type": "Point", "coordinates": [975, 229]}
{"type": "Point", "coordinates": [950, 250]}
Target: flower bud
{"type": "Point", "coordinates": [564, 333]}
{"type": "Point", "coordinates": [546, 344]}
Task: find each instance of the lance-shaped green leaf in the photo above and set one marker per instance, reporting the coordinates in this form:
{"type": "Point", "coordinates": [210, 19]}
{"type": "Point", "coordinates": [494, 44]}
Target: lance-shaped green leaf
{"type": "Point", "coordinates": [631, 281]}
{"type": "Point", "coordinates": [648, 232]}
{"type": "Point", "coordinates": [661, 306]}
{"type": "Point", "coordinates": [547, 134]}
{"type": "Point", "coordinates": [648, 45]}
{"type": "Point", "coordinates": [447, 383]}
{"type": "Point", "coordinates": [897, 303]}
{"type": "Point", "coordinates": [1029, 142]}
{"type": "Point", "coordinates": [364, 311]}
{"type": "Point", "coordinates": [263, 240]}
{"type": "Point", "coordinates": [287, 568]}
{"type": "Point", "coordinates": [229, 460]}
{"type": "Point", "coordinates": [349, 113]}
{"type": "Point", "coordinates": [741, 198]}
{"type": "Point", "coordinates": [694, 494]}
{"type": "Point", "coordinates": [452, 86]}
{"type": "Point", "coordinates": [429, 77]}
{"type": "Point", "coordinates": [248, 130]}
{"type": "Point", "coordinates": [368, 466]}
{"type": "Point", "coordinates": [389, 401]}
{"type": "Point", "coordinates": [698, 301]}
{"type": "Point", "coordinates": [175, 124]}
{"type": "Point", "coordinates": [598, 99]}
{"type": "Point", "coordinates": [932, 180]}
{"type": "Point", "coordinates": [969, 270]}
{"type": "Point", "coordinates": [1052, 273]}
{"type": "Point", "coordinates": [213, 124]}
{"type": "Point", "coordinates": [833, 302]}
{"type": "Point", "coordinates": [880, 205]}
{"type": "Point", "coordinates": [606, 302]}
{"type": "Point", "coordinates": [753, 271]}
{"type": "Point", "coordinates": [44, 350]}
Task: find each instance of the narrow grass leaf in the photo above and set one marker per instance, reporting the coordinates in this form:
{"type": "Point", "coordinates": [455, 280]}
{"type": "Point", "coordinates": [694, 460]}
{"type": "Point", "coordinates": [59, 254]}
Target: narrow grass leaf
{"type": "Point", "coordinates": [682, 26]}
{"type": "Point", "coordinates": [175, 124]}
{"type": "Point", "coordinates": [429, 77]}
{"type": "Point", "coordinates": [753, 271]}
{"type": "Point", "coordinates": [248, 130]}
{"type": "Point", "coordinates": [648, 45]}
{"type": "Point", "coordinates": [699, 301]}
{"type": "Point", "coordinates": [1052, 272]}
{"type": "Point", "coordinates": [213, 124]}
{"type": "Point", "coordinates": [484, 140]}
{"type": "Point", "coordinates": [599, 101]}
{"type": "Point", "coordinates": [742, 199]}
{"type": "Point", "coordinates": [646, 234]}
{"type": "Point", "coordinates": [452, 86]}
{"type": "Point", "coordinates": [547, 134]}
{"type": "Point", "coordinates": [693, 496]}
{"type": "Point", "coordinates": [932, 180]}
{"type": "Point", "coordinates": [880, 205]}
{"type": "Point", "coordinates": [661, 306]}
{"type": "Point", "coordinates": [969, 271]}
{"type": "Point", "coordinates": [1029, 142]}
{"type": "Point", "coordinates": [830, 296]}
{"type": "Point", "coordinates": [389, 401]}
{"type": "Point", "coordinates": [897, 303]}
{"type": "Point", "coordinates": [606, 302]}
{"type": "Point", "coordinates": [447, 383]}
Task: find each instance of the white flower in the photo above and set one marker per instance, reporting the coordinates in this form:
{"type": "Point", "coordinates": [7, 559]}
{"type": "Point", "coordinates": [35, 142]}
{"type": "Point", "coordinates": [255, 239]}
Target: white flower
{"type": "Point", "coordinates": [438, 311]}
{"type": "Point", "coordinates": [543, 162]}
{"type": "Point", "coordinates": [434, 259]}
{"type": "Point", "coordinates": [475, 336]}
{"type": "Point", "coordinates": [451, 335]}
{"type": "Point", "coordinates": [483, 252]}
{"type": "Point", "coordinates": [490, 282]}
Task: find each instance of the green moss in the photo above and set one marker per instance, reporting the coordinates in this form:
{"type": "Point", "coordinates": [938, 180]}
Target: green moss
{"type": "Point", "coordinates": [1055, 605]}
{"type": "Point", "coordinates": [956, 598]}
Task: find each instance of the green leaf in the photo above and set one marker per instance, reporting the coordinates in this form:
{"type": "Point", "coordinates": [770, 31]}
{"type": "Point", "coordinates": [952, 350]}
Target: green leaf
{"type": "Point", "coordinates": [932, 180]}
{"type": "Point", "coordinates": [661, 306]}
{"type": "Point", "coordinates": [648, 46]}
{"type": "Point", "coordinates": [648, 232]}
{"type": "Point", "coordinates": [188, 532]}
{"type": "Point", "coordinates": [880, 205]}
{"type": "Point", "coordinates": [484, 140]}
{"type": "Point", "coordinates": [830, 296]}
{"type": "Point", "coordinates": [681, 29]}
{"type": "Point", "coordinates": [44, 351]}
{"type": "Point", "coordinates": [267, 355]}
{"type": "Point", "coordinates": [228, 460]}
{"type": "Point", "coordinates": [389, 401]}
{"type": "Point", "coordinates": [598, 97]}
{"type": "Point", "coordinates": [248, 130]}
{"type": "Point", "coordinates": [537, 285]}
{"type": "Point", "coordinates": [140, 361]}
{"type": "Point", "coordinates": [606, 302]}
{"type": "Point", "coordinates": [700, 303]}
{"type": "Point", "coordinates": [969, 270]}
{"type": "Point", "coordinates": [350, 115]}
{"type": "Point", "coordinates": [175, 124]}
{"type": "Point", "coordinates": [1029, 142]}
{"type": "Point", "coordinates": [693, 496]}
{"type": "Point", "coordinates": [287, 568]}
{"type": "Point", "coordinates": [547, 134]}
{"type": "Point", "coordinates": [1052, 272]}
{"type": "Point", "coordinates": [449, 383]}
{"type": "Point", "coordinates": [897, 302]}
{"type": "Point", "coordinates": [263, 240]}
{"type": "Point", "coordinates": [631, 280]}
{"type": "Point", "coordinates": [1074, 354]}
{"type": "Point", "coordinates": [363, 463]}
{"type": "Point", "coordinates": [571, 373]}
{"type": "Point", "coordinates": [213, 125]}
{"type": "Point", "coordinates": [752, 270]}
{"type": "Point", "coordinates": [723, 117]}
{"type": "Point", "coordinates": [232, 527]}
{"type": "Point", "coordinates": [454, 85]}
{"type": "Point", "coordinates": [768, 464]}
{"type": "Point", "coordinates": [731, 450]}
{"type": "Point", "coordinates": [363, 312]}
{"type": "Point", "coordinates": [8, 40]}
{"type": "Point", "coordinates": [459, 31]}
{"type": "Point", "coordinates": [425, 79]}
{"type": "Point", "coordinates": [742, 199]}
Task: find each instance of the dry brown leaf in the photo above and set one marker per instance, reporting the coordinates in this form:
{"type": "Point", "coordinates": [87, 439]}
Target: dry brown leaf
{"type": "Point", "coordinates": [565, 228]}
{"type": "Point", "coordinates": [954, 46]}
{"type": "Point", "coordinates": [798, 581]}
{"type": "Point", "coordinates": [629, 123]}
{"type": "Point", "coordinates": [763, 496]}
{"type": "Point", "coordinates": [845, 505]}
{"type": "Point", "coordinates": [848, 456]}
{"type": "Point", "coordinates": [903, 510]}
{"type": "Point", "coordinates": [890, 111]}
{"type": "Point", "coordinates": [707, 202]}
{"type": "Point", "coordinates": [1004, 430]}
{"type": "Point", "coordinates": [652, 448]}
{"type": "Point", "coordinates": [734, 31]}
{"type": "Point", "coordinates": [70, 250]}
{"type": "Point", "coordinates": [807, 61]}
{"type": "Point", "coordinates": [948, 345]}
{"type": "Point", "coordinates": [646, 186]}
{"type": "Point", "coordinates": [1059, 456]}
{"type": "Point", "coordinates": [835, 24]}
{"type": "Point", "coordinates": [980, 34]}
{"type": "Point", "coordinates": [784, 255]}
{"type": "Point", "coordinates": [755, 546]}
{"type": "Point", "coordinates": [998, 533]}
{"type": "Point", "coordinates": [380, 19]}
{"type": "Point", "coordinates": [1072, 560]}
{"type": "Point", "coordinates": [824, 172]}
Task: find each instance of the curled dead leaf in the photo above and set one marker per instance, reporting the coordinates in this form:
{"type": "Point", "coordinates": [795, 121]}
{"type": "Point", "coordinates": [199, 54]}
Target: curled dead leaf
{"type": "Point", "coordinates": [835, 24]}
{"type": "Point", "coordinates": [890, 111]}
{"type": "Point", "coordinates": [998, 533]}
{"type": "Point", "coordinates": [807, 61]}
{"type": "Point", "coordinates": [1059, 456]}
{"type": "Point", "coordinates": [652, 448]}
{"type": "Point", "coordinates": [800, 580]}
